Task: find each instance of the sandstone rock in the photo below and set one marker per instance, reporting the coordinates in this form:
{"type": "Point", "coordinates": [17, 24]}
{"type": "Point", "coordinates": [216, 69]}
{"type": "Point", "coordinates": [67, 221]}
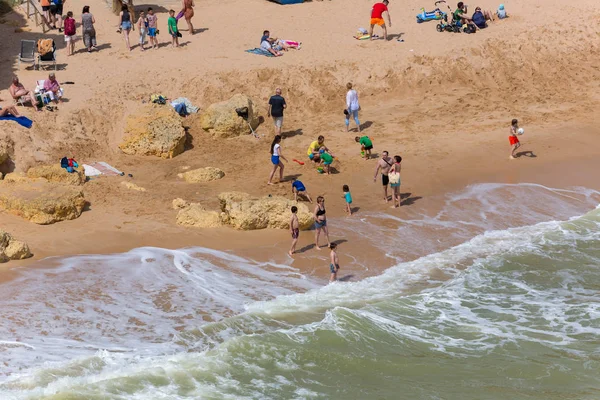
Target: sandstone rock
{"type": "Point", "coordinates": [206, 174]}
{"type": "Point", "coordinates": [195, 215]}
{"type": "Point", "coordinates": [154, 131]}
{"type": "Point", "coordinates": [227, 198]}
{"type": "Point", "coordinates": [266, 212]}
{"type": "Point", "coordinates": [6, 148]}
{"type": "Point", "coordinates": [41, 202]}
{"type": "Point", "coordinates": [221, 120]}
{"type": "Point", "coordinates": [55, 173]}
{"type": "Point", "coordinates": [133, 186]}
{"type": "Point", "coordinates": [178, 204]}
{"type": "Point", "coordinates": [11, 249]}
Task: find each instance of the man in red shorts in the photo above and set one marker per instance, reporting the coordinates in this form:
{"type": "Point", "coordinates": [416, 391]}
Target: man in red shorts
{"type": "Point", "coordinates": [377, 17]}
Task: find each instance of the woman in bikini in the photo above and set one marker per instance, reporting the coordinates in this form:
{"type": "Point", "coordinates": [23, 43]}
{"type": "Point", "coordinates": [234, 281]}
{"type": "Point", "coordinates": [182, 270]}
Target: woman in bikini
{"type": "Point", "coordinates": [275, 156]}
{"type": "Point", "coordinates": [320, 221]}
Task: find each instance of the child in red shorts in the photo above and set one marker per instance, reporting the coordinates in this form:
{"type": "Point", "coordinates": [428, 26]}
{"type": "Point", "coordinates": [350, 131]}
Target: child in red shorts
{"type": "Point", "coordinates": [513, 139]}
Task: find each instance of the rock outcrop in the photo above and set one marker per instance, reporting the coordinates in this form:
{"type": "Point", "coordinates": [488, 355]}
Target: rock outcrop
{"type": "Point", "coordinates": [221, 120]}
{"type": "Point", "coordinates": [195, 215]}
{"type": "Point", "coordinates": [178, 204]}
{"type": "Point", "coordinates": [41, 202]}
{"type": "Point", "coordinates": [55, 173]}
{"type": "Point", "coordinates": [6, 148]}
{"type": "Point", "coordinates": [12, 249]}
{"type": "Point", "coordinates": [154, 131]}
{"type": "Point", "coordinates": [266, 212]}
{"type": "Point", "coordinates": [241, 211]}
{"type": "Point", "coordinates": [206, 174]}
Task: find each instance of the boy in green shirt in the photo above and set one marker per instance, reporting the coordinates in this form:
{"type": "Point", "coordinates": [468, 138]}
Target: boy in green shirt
{"type": "Point", "coordinates": [173, 31]}
{"type": "Point", "coordinates": [326, 159]}
{"type": "Point", "coordinates": [366, 145]}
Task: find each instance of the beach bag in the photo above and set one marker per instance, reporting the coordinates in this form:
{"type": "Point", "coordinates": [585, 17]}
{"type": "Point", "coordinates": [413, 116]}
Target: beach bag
{"type": "Point", "coordinates": [394, 177]}
{"type": "Point", "coordinates": [69, 27]}
{"type": "Point", "coordinates": [158, 99]}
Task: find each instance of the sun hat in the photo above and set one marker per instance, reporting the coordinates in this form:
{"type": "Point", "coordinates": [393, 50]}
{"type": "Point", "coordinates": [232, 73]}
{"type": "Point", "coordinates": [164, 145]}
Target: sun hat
{"type": "Point", "coordinates": [501, 7]}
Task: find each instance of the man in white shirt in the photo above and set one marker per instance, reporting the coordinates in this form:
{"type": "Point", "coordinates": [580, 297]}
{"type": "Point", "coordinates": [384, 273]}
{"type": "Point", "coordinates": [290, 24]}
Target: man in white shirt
{"type": "Point", "coordinates": [352, 107]}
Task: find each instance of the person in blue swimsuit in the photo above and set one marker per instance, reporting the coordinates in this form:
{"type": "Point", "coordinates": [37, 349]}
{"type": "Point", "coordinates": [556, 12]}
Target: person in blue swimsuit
{"type": "Point", "coordinates": [348, 198]}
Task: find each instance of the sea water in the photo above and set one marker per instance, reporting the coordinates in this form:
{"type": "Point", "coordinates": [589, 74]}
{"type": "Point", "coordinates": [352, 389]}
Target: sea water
{"type": "Point", "coordinates": [494, 296]}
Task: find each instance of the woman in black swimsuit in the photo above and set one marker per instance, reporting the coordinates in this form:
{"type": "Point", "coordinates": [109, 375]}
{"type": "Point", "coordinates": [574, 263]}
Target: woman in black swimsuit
{"type": "Point", "coordinates": [320, 221]}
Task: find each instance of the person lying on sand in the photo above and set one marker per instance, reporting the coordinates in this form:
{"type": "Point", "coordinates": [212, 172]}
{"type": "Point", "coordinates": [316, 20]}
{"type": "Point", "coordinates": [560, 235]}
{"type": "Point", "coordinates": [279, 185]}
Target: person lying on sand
{"type": "Point", "coordinates": [17, 90]}
{"type": "Point", "coordinates": [10, 110]}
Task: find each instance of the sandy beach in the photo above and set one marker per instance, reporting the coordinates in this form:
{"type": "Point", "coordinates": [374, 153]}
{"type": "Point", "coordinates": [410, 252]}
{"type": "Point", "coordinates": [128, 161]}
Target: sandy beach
{"type": "Point", "coordinates": [482, 285]}
{"type": "Point", "coordinates": [442, 101]}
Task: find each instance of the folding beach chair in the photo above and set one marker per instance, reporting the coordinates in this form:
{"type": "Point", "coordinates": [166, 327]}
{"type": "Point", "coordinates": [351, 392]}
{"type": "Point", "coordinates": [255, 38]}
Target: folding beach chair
{"type": "Point", "coordinates": [27, 54]}
{"type": "Point", "coordinates": [47, 58]}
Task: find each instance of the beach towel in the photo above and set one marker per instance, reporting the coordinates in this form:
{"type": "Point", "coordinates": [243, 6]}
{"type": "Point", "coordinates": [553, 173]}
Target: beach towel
{"type": "Point", "coordinates": [260, 52]}
{"type": "Point", "coordinates": [101, 168]}
{"type": "Point", "coordinates": [23, 121]}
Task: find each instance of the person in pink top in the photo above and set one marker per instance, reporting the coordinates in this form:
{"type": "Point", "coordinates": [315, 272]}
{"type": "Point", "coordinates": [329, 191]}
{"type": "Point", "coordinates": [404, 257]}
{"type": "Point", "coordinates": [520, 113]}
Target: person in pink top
{"type": "Point", "coordinates": [53, 89]}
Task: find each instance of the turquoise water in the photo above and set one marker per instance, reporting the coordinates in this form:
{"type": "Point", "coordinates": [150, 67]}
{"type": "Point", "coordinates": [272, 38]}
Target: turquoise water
{"type": "Point", "coordinates": [508, 313]}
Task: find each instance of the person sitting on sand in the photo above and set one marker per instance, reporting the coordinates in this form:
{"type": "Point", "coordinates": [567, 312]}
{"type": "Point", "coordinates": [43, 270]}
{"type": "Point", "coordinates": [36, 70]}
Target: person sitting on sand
{"type": "Point", "coordinates": [501, 13]}
{"type": "Point", "coordinates": [53, 89]}
{"type": "Point", "coordinates": [326, 160]}
{"type": "Point", "coordinates": [377, 13]}
{"type": "Point", "coordinates": [480, 17]}
{"type": "Point", "coordinates": [10, 110]}
{"type": "Point", "coordinates": [299, 189]}
{"type": "Point", "coordinates": [18, 91]}
{"type": "Point", "coordinates": [461, 15]}
{"type": "Point", "coordinates": [267, 44]}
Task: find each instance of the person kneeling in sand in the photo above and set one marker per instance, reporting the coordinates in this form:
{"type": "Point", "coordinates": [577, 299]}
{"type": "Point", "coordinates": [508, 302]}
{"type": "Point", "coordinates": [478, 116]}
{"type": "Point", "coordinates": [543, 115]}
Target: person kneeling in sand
{"type": "Point", "coordinates": [299, 189]}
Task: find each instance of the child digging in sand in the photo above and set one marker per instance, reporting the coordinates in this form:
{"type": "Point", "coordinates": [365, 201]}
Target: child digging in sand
{"type": "Point", "coordinates": [348, 198]}
{"type": "Point", "coordinates": [299, 189]}
{"type": "Point", "coordinates": [513, 139]}
{"type": "Point", "coordinates": [366, 145]}
{"type": "Point", "coordinates": [295, 230]}
{"type": "Point", "coordinates": [326, 160]}
{"type": "Point", "coordinates": [334, 265]}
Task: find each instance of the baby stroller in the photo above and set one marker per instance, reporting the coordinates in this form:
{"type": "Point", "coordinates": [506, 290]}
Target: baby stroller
{"type": "Point", "coordinates": [444, 25]}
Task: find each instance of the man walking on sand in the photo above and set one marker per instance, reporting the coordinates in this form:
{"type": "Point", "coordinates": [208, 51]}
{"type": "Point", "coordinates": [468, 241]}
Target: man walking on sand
{"type": "Point", "coordinates": [384, 164]}
{"type": "Point", "coordinates": [377, 13]}
{"type": "Point", "coordinates": [276, 106]}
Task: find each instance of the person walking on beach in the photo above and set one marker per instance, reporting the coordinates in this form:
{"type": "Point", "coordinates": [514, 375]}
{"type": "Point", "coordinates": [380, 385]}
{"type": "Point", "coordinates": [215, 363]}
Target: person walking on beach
{"type": "Point", "coordinates": [56, 11]}
{"type": "Point", "coordinates": [334, 262]}
{"type": "Point", "coordinates": [352, 107]}
{"type": "Point", "coordinates": [46, 13]}
{"type": "Point", "coordinates": [377, 13]}
{"type": "Point", "coordinates": [394, 176]}
{"type": "Point", "coordinates": [384, 164]}
{"type": "Point", "coordinates": [125, 24]}
{"type": "Point", "coordinates": [87, 26]}
{"type": "Point", "coordinates": [275, 159]}
{"type": "Point", "coordinates": [295, 230]}
{"type": "Point", "coordinates": [70, 31]}
{"type": "Point", "coordinates": [152, 24]}
{"type": "Point", "coordinates": [173, 31]}
{"type": "Point", "coordinates": [366, 145]}
{"type": "Point", "coordinates": [513, 139]}
{"type": "Point", "coordinates": [348, 199]}
{"type": "Point", "coordinates": [187, 8]}
{"type": "Point", "coordinates": [142, 24]}
{"type": "Point", "coordinates": [299, 189]}
{"type": "Point", "coordinates": [320, 221]}
{"type": "Point", "coordinates": [276, 106]}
